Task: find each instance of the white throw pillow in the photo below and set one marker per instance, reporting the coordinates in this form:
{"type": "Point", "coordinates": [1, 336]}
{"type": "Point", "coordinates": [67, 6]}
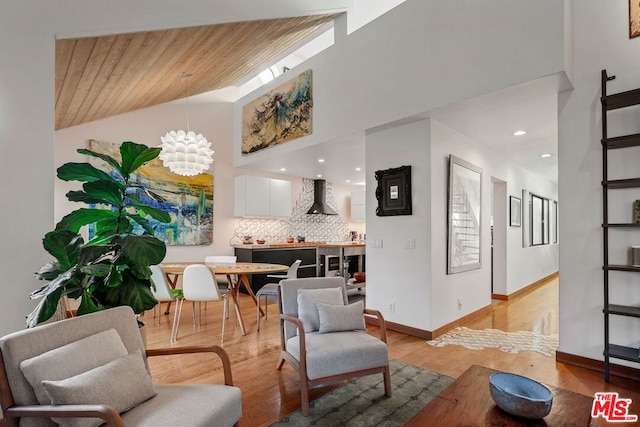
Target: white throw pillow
{"type": "Point", "coordinates": [307, 305]}
{"type": "Point", "coordinates": [122, 384]}
{"type": "Point", "coordinates": [72, 359]}
{"type": "Point", "coordinates": [338, 318]}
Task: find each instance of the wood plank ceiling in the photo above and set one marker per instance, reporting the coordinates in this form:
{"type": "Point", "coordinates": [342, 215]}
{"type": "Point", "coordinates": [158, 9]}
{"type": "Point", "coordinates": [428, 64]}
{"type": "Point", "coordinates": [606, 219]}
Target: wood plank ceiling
{"type": "Point", "coordinates": [98, 77]}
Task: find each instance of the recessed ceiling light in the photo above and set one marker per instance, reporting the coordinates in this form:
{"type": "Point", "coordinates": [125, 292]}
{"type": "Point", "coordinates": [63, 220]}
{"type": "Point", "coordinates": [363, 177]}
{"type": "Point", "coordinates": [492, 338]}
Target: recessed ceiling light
{"type": "Point", "coordinates": [519, 132]}
{"type": "Point", "coordinates": [283, 169]}
{"type": "Point", "coordinates": [358, 169]}
{"type": "Point", "coordinates": [319, 175]}
{"type": "Point", "coordinates": [545, 155]}
{"type": "Point", "coordinates": [348, 180]}
{"type": "Point", "coordinates": [320, 160]}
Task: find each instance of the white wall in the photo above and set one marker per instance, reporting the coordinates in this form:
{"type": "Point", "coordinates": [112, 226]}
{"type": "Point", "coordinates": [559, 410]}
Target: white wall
{"type": "Point", "coordinates": [601, 41]}
{"type": "Point", "coordinates": [419, 56]}
{"type": "Point", "coordinates": [394, 273]}
{"type": "Point", "coordinates": [523, 265]}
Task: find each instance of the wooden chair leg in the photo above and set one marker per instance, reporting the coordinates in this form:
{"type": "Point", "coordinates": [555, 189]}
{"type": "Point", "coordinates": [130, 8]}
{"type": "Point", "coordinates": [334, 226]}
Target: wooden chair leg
{"type": "Point", "coordinates": [387, 382]}
{"type": "Point", "coordinates": [304, 396]}
{"type": "Point", "coordinates": [224, 318]}
{"type": "Point", "coordinates": [176, 321]}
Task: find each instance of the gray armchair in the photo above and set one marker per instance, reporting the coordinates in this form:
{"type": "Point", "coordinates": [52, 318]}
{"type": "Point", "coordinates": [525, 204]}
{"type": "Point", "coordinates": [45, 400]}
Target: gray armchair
{"type": "Point", "coordinates": [93, 369]}
{"type": "Point", "coordinates": [324, 339]}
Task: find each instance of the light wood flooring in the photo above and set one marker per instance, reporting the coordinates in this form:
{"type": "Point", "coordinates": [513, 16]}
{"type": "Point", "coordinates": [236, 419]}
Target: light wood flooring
{"type": "Point", "coordinates": [269, 394]}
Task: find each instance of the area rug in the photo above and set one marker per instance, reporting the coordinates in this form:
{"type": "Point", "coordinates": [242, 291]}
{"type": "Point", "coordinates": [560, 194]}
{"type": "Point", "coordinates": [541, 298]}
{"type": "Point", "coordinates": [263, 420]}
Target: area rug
{"type": "Point", "coordinates": [509, 342]}
{"type": "Point", "coordinates": [362, 402]}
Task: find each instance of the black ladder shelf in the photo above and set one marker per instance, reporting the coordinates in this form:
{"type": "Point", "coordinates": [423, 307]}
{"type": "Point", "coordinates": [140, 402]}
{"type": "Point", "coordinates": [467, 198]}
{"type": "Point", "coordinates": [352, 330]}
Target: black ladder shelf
{"type": "Point", "coordinates": [609, 103]}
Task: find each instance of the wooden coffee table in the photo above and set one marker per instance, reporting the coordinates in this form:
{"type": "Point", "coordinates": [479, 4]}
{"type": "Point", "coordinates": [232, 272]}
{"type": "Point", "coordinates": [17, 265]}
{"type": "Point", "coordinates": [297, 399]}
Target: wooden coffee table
{"type": "Point", "coordinates": [467, 402]}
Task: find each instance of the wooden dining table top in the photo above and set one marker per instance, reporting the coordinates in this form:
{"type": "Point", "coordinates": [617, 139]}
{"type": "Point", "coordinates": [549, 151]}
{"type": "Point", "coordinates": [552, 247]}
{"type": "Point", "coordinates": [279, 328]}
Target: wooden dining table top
{"type": "Point", "coordinates": [227, 268]}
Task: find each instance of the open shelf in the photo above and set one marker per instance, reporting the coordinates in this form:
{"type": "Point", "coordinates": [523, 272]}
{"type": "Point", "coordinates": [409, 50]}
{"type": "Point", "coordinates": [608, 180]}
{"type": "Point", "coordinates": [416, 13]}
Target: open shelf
{"type": "Point", "coordinates": [621, 100]}
{"type": "Point", "coordinates": [624, 353]}
{"type": "Point", "coordinates": [621, 267]}
{"type": "Point", "coordinates": [613, 102]}
{"type": "Point", "coordinates": [622, 183]}
{"type": "Point", "coordinates": [623, 310]}
{"type": "Point", "coordinates": [622, 141]}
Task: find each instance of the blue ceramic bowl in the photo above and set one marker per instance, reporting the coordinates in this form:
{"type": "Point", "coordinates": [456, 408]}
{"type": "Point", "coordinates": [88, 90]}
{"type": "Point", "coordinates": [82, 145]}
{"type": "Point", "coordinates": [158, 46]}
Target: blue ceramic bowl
{"type": "Point", "coordinates": [520, 396]}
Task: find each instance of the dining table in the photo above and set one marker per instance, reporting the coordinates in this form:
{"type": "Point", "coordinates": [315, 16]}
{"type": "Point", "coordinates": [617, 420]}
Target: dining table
{"type": "Point", "coordinates": [173, 271]}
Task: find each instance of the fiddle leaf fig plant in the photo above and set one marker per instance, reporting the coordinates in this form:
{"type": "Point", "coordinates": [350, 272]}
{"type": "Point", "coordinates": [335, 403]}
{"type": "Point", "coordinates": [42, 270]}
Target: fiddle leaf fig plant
{"type": "Point", "coordinates": [112, 268]}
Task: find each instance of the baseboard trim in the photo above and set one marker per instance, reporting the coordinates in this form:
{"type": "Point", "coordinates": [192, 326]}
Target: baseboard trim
{"type": "Point", "coordinates": [429, 335]}
{"type": "Point", "coordinates": [407, 330]}
{"type": "Point", "coordinates": [527, 289]}
{"type": "Point", "coordinates": [598, 365]}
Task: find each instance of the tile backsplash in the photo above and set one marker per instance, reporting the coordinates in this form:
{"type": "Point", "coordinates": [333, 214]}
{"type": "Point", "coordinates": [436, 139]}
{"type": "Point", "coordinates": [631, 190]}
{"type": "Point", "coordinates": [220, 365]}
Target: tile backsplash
{"type": "Point", "coordinates": [315, 228]}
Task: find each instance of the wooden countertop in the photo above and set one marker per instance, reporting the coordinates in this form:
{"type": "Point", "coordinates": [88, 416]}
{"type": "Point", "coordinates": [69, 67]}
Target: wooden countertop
{"type": "Point", "coordinates": [285, 245]}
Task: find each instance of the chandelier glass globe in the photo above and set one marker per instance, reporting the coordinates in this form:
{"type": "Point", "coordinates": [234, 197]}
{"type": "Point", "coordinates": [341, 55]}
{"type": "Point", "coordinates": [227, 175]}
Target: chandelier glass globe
{"type": "Point", "coordinates": [186, 153]}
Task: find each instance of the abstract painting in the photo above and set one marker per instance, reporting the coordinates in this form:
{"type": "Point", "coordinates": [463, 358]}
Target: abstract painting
{"type": "Point", "coordinates": [280, 115]}
{"type": "Point", "coordinates": [189, 200]}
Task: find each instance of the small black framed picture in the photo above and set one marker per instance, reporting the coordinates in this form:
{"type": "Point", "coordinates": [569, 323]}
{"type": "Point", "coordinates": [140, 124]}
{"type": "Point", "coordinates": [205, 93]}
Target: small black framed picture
{"type": "Point", "coordinates": [515, 211]}
{"type": "Point", "coordinates": [394, 191]}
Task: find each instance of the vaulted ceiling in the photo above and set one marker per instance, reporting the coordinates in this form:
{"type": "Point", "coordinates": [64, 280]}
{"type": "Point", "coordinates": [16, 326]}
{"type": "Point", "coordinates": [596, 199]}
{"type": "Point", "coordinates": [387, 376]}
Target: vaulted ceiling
{"type": "Point", "coordinates": [99, 77]}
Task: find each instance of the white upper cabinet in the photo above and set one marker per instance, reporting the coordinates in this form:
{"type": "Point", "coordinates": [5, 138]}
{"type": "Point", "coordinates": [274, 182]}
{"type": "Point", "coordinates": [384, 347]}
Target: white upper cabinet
{"type": "Point", "coordinates": [258, 196]}
{"type": "Point", "coordinates": [358, 201]}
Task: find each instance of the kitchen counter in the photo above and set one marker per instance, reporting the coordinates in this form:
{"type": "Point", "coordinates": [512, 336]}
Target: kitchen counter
{"type": "Point", "coordinates": [315, 257]}
{"type": "Point", "coordinates": [285, 245]}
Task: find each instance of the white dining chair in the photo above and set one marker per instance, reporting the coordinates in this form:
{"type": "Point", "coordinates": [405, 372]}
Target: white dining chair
{"type": "Point", "coordinates": [162, 292]}
{"type": "Point", "coordinates": [199, 285]}
{"type": "Point", "coordinates": [223, 259]}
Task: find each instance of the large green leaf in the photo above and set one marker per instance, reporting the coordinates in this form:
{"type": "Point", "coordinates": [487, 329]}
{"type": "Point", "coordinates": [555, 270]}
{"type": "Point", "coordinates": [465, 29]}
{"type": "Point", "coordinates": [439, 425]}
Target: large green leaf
{"type": "Point", "coordinates": [53, 285]}
{"type": "Point", "coordinates": [143, 250]}
{"type": "Point", "coordinates": [81, 172]}
{"type": "Point", "coordinates": [50, 271]}
{"type": "Point", "coordinates": [146, 225]}
{"type": "Point", "coordinates": [133, 292]}
{"type": "Point", "coordinates": [104, 191]}
{"type": "Point", "coordinates": [64, 245]}
{"type": "Point", "coordinates": [135, 155]}
{"type": "Point", "coordinates": [45, 309]}
{"type": "Point", "coordinates": [91, 255]}
{"type": "Point", "coordinates": [114, 278]}
{"type": "Point", "coordinates": [81, 217]}
{"type": "Point", "coordinates": [113, 162]}
{"type": "Point", "coordinates": [88, 305]}
{"type": "Point", "coordinates": [159, 215]}
{"type": "Point", "coordinates": [113, 226]}
{"type": "Point", "coordinates": [98, 270]}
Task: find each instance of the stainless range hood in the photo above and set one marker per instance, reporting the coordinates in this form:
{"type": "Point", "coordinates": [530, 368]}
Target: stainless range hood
{"type": "Point", "coordinates": [320, 206]}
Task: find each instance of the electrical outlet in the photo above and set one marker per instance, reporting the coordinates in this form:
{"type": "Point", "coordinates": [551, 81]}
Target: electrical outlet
{"type": "Point", "coordinates": [392, 307]}
{"type": "Point", "coordinates": [411, 244]}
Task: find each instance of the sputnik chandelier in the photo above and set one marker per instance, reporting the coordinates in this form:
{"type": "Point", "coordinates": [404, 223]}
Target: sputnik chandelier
{"type": "Point", "coordinates": [186, 153]}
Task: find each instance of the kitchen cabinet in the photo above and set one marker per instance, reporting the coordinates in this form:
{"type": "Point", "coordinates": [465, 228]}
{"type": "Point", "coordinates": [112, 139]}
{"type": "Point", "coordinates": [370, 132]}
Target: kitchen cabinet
{"type": "Point", "coordinates": [358, 199]}
{"type": "Point", "coordinates": [285, 256]}
{"type": "Point", "coordinates": [261, 197]}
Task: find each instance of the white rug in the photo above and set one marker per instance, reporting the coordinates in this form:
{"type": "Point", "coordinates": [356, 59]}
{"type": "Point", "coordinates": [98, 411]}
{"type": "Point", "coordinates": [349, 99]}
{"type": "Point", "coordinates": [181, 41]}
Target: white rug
{"type": "Point", "coordinates": [509, 342]}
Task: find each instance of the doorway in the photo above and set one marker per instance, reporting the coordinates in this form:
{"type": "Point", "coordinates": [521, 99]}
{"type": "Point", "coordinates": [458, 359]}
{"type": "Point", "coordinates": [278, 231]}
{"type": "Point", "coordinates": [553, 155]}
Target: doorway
{"type": "Point", "coordinates": [499, 211]}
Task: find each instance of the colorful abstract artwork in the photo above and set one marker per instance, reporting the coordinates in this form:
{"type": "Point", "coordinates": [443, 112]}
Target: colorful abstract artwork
{"type": "Point", "coordinates": [189, 200]}
{"type": "Point", "coordinates": [278, 116]}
